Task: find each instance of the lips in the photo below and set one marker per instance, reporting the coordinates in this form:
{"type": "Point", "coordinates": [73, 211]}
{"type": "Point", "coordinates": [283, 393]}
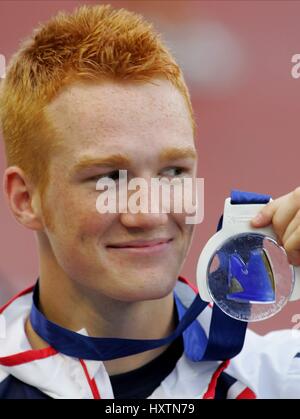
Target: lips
{"type": "Point", "coordinates": [137, 244]}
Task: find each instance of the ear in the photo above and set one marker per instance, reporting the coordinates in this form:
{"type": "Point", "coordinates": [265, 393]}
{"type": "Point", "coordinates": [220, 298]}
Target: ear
{"type": "Point", "coordinates": [22, 201]}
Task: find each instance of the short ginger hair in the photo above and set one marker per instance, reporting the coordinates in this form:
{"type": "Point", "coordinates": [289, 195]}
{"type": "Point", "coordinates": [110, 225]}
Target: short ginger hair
{"type": "Point", "coordinates": [91, 43]}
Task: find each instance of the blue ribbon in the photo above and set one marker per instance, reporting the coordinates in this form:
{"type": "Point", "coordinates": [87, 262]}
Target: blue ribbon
{"type": "Point", "coordinates": [225, 339]}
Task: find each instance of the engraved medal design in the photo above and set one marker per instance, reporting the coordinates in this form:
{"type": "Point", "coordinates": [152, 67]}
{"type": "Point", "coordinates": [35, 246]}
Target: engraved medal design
{"type": "Point", "coordinates": [249, 277]}
{"type": "Point", "coordinates": [252, 282]}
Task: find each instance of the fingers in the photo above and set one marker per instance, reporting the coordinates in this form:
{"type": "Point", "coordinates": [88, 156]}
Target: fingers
{"type": "Point", "coordinates": [284, 214]}
{"type": "Point", "coordinates": [291, 228]}
{"type": "Point", "coordinates": [265, 215]}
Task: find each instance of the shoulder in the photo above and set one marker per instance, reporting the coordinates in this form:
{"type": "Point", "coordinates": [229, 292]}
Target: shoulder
{"type": "Point", "coordinates": [12, 388]}
{"type": "Point", "coordinates": [270, 364]}
{"type": "Point", "coordinates": [12, 343]}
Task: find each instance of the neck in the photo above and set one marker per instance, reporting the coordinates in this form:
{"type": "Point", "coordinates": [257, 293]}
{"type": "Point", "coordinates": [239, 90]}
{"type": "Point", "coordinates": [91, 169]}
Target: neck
{"type": "Point", "coordinates": [63, 302]}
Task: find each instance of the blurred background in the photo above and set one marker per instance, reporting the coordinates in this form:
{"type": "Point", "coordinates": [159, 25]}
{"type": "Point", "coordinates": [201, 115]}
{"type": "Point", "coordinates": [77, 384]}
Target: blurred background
{"type": "Point", "coordinates": [236, 57]}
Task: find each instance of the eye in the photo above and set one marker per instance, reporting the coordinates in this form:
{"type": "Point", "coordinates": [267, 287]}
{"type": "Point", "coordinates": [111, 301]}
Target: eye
{"type": "Point", "coordinates": [174, 171]}
{"type": "Point", "coordinates": [111, 175]}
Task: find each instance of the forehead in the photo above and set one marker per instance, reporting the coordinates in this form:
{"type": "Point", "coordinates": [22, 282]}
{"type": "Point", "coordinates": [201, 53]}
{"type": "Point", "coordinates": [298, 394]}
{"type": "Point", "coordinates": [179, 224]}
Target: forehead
{"type": "Point", "coordinates": [110, 117]}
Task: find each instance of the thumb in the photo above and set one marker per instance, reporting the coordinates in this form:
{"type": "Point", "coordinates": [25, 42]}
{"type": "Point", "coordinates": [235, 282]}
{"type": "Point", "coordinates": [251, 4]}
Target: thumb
{"type": "Point", "coordinates": [264, 216]}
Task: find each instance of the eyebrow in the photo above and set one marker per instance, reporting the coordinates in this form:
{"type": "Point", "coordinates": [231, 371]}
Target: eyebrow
{"type": "Point", "coordinates": [122, 160]}
{"type": "Point", "coordinates": [175, 153]}
{"type": "Point", "coordinates": [109, 161]}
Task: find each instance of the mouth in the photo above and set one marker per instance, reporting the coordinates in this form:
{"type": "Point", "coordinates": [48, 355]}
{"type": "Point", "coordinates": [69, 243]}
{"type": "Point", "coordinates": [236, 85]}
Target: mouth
{"type": "Point", "coordinates": [142, 246]}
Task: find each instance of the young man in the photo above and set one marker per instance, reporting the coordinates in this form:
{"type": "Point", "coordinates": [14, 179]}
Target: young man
{"type": "Point", "coordinates": [92, 93]}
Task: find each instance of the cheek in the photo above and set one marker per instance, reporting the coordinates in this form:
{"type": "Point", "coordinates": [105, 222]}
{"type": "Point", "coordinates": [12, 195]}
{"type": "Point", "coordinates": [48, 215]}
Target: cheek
{"type": "Point", "coordinates": [180, 220]}
{"type": "Point", "coordinates": [72, 213]}
{"type": "Point", "coordinates": [93, 224]}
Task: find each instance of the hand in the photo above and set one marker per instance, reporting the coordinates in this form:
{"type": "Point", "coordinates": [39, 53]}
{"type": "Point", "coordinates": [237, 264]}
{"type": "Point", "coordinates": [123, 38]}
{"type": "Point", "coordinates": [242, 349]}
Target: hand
{"type": "Point", "coordinates": [284, 214]}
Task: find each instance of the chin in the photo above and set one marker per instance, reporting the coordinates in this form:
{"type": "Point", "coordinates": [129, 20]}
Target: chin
{"type": "Point", "coordinates": [152, 289]}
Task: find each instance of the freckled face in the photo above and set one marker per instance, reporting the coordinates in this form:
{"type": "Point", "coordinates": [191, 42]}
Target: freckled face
{"type": "Point", "coordinates": [128, 257]}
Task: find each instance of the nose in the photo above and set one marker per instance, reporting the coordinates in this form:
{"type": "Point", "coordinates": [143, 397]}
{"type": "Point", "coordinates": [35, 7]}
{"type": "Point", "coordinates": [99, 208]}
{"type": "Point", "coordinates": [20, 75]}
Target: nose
{"type": "Point", "coordinates": [146, 217]}
{"type": "Point", "coordinates": [143, 220]}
